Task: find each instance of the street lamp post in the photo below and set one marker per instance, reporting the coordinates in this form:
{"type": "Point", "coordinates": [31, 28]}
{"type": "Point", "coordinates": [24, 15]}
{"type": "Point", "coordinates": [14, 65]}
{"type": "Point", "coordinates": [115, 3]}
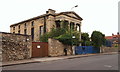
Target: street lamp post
{"type": "Point", "coordinates": [70, 32]}
{"type": "Point", "coordinates": [73, 37]}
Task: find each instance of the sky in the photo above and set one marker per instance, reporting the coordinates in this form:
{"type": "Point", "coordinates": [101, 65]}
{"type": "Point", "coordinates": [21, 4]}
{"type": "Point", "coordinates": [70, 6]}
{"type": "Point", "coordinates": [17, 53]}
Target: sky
{"type": "Point", "coordinates": [99, 15]}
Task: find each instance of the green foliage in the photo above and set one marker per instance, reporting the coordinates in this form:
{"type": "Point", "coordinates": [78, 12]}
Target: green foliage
{"type": "Point", "coordinates": [76, 40]}
{"type": "Point", "coordinates": [44, 37]}
{"type": "Point", "coordinates": [85, 36]}
{"type": "Point", "coordinates": [85, 39]}
{"type": "Point", "coordinates": [67, 38]}
{"type": "Point", "coordinates": [72, 27]}
{"type": "Point", "coordinates": [56, 32]}
{"type": "Point", "coordinates": [63, 35]}
{"type": "Point", "coordinates": [98, 39]}
{"type": "Point", "coordinates": [64, 25]}
{"type": "Point", "coordinates": [88, 43]}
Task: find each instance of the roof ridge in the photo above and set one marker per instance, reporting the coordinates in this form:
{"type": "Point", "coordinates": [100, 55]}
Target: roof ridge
{"type": "Point", "coordinates": [33, 18]}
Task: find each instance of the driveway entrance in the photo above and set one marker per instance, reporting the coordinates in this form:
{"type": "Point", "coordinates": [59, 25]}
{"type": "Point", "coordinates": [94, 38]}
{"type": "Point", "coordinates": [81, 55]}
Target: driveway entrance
{"type": "Point", "coordinates": [39, 49]}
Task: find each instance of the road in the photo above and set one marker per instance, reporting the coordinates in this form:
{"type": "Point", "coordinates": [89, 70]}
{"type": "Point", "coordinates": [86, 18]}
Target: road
{"type": "Point", "coordinates": [98, 62]}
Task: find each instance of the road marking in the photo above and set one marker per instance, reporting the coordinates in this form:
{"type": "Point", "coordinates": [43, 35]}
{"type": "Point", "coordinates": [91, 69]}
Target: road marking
{"type": "Point", "coordinates": [108, 66]}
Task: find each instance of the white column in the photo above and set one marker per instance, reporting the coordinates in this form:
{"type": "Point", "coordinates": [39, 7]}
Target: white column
{"type": "Point", "coordinates": [74, 26]}
{"type": "Point", "coordinates": [69, 25]}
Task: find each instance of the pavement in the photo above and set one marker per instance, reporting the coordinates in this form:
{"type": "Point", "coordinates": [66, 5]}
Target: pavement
{"type": "Point", "coordinates": [38, 60]}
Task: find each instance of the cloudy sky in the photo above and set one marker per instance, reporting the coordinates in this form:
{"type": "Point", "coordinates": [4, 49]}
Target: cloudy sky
{"type": "Point", "coordinates": [100, 15]}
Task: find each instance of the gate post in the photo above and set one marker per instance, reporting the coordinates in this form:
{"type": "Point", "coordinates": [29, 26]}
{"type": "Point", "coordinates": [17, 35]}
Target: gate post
{"type": "Point", "coordinates": [73, 49]}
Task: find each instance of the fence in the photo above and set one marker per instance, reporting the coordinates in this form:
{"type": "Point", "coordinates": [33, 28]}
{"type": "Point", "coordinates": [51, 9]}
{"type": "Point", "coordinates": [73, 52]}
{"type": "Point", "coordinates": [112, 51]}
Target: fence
{"type": "Point", "coordinates": [86, 50]}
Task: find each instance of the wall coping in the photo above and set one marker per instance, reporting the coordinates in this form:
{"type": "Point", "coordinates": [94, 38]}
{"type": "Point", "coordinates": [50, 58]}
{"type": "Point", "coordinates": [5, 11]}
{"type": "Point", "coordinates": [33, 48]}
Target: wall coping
{"type": "Point", "coordinates": [14, 34]}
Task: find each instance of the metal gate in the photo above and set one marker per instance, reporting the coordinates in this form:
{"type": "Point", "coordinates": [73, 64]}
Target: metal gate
{"type": "Point", "coordinates": [39, 49]}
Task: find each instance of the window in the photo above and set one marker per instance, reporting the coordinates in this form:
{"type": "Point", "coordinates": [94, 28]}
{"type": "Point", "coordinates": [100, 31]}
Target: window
{"type": "Point", "coordinates": [25, 31]}
{"type": "Point", "coordinates": [19, 31]}
{"type": "Point", "coordinates": [13, 28]}
{"type": "Point", "coordinates": [32, 24]}
{"type": "Point", "coordinates": [32, 33]}
{"type": "Point", "coordinates": [25, 25]}
{"type": "Point", "coordinates": [41, 30]}
{"type": "Point", "coordinates": [57, 24]}
{"type": "Point", "coordinates": [19, 27]}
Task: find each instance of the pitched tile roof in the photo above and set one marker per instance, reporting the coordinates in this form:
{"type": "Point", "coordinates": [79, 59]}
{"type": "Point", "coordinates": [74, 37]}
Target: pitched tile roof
{"type": "Point", "coordinates": [113, 36]}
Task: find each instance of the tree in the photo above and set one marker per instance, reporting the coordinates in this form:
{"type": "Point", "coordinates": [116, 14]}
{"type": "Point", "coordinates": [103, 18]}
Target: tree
{"type": "Point", "coordinates": [85, 39]}
{"type": "Point", "coordinates": [98, 39]}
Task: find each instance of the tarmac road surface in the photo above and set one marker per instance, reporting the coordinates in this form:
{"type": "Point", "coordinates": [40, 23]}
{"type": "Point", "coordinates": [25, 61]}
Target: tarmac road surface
{"type": "Point", "coordinates": [98, 62]}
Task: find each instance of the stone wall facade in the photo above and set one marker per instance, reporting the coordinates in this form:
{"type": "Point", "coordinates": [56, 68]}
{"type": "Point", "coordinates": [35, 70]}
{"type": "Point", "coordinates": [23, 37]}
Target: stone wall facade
{"type": "Point", "coordinates": [44, 23]}
{"type": "Point", "coordinates": [56, 48]}
{"type": "Point", "coordinates": [15, 46]}
{"type": "Point", "coordinates": [109, 49]}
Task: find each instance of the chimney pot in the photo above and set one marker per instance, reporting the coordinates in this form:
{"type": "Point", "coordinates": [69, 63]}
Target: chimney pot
{"type": "Point", "coordinates": [112, 34]}
{"type": "Point", "coordinates": [117, 33]}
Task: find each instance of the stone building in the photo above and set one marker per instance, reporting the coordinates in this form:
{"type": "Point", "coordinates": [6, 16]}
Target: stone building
{"type": "Point", "coordinates": [15, 46]}
{"type": "Point", "coordinates": [39, 25]}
